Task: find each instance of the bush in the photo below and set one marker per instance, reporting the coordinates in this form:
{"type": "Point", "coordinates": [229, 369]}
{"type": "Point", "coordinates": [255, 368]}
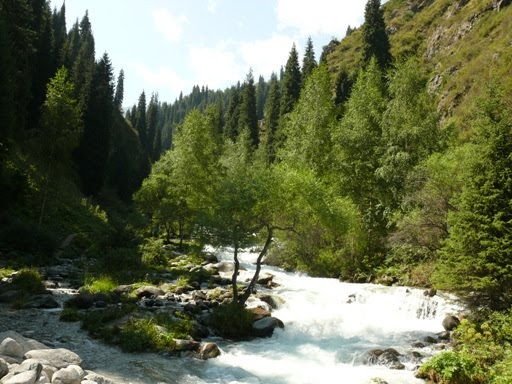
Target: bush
{"type": "Point", "coordinates": [28, 281]}
{"type": "Point", "coordinates": [452, 368]}
{"type": "Point", "coordinates": [232, 321]}
{"type": "Point", "coordinates": [69, 315]}
{"type": "Point", "coordinates": [140, 335]}
{"type": "Point", "coordinates": [120, 259]}
{"type": "Point", "coordinates": [102, 284]}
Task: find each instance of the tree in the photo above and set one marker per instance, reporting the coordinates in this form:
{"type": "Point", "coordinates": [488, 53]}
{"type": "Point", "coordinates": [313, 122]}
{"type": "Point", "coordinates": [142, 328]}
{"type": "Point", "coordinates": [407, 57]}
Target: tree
{"type": "Point", "coordinates": [475, 260]}
{"type": "Point", "coordinates": [359, 145]}
{"type": "Point", "coordinates": [83, 66]}
{"type": "Point", "coordinates": [291, 83]}
{"type": "Point", "coordinates": [308, 129]}
{"type": "Point", "coordinates": [232, 113]}
{"type": "Point", "coordinates": [59, 35]}
{"type": "Point", "coordinates": [140, 120]}
{"type": "Point", "coordinates": [92, 154]}
{"type": "Point", "coordinates": [375, 37]}
{"type": "Point", "coordinates": [119, 95]}
{"type": "Point", "coordinates": [308, 62]}
{"type": "Point", "coordinates": [152, 123]}
{"type": "Point", "coordinates": [62, 125]}
{"type": "Point", "coordinates": [262, 88]}
{"type": "Point", "coordinates": [247, 118]}
{"type": "Point", "coordinates": [342, 88]}
{"type": "Point", "coordinates": [272, 107]}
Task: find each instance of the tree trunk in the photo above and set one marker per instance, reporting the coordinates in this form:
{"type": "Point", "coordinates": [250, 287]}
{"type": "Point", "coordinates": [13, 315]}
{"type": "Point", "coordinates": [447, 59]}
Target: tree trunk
{"type": "Point", "coordinates": [235, 274]}
{"type": "Point", "coordinates": [254, 279]}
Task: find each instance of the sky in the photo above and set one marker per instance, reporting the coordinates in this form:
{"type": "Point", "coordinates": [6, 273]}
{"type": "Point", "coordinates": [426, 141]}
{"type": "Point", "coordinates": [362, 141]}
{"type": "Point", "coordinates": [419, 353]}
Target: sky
{"type": "Point", "coordinates": [168, 46]}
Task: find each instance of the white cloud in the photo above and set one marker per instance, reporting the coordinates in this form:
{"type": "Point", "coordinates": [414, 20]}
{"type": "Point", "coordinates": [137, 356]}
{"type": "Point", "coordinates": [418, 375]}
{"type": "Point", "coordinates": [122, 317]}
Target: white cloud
{"type": "Point", "coordinates": [169, 25]}
{"type": "Point", "coordinates": [215, 66]}
{"type": "Point", "coordinates": [329, 17]}
{"type": "Point", "coordinates": [164, 79]}
{"type": "Point", "coordinates": [212, 6]}
{"type": "Point", "coordinates": [266, 56]}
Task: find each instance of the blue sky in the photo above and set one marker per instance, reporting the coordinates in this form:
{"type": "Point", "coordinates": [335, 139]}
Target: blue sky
{"type": "Point", "coordinates": [167, 46]}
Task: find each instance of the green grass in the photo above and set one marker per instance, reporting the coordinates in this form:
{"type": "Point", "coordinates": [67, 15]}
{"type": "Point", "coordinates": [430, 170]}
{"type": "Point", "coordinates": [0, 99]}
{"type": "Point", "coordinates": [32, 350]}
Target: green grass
{"type": "Point", "coordinates": [28, 281]}
{"type": "Point", "coordinates": [102, 284]}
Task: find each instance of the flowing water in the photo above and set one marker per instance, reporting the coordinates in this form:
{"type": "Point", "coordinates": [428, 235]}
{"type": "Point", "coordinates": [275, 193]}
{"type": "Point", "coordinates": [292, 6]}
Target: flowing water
{"type": "Point", "coordinates": [329, 326]}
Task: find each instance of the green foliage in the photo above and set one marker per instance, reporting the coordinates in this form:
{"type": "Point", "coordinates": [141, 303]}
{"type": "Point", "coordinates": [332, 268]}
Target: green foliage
{"type": "Point", "coordinates": [475, 258]}
{"type": "Point", "coordinates": [375, 38]}
{"type": "Point", "coordinates": [70, 315]}
{"type": "Point", "coordinates": [101, 284]}
{"type": "Point", "coordinates": [452, 368]}
{"type": "Point", "coordinates": [232, 321]}
{"type": "Point", "coordinates": [142, 335]}
{"type": "Point", "coordinates": [28, 281]}
{"type": "Point", "coordinates": [291, 82]}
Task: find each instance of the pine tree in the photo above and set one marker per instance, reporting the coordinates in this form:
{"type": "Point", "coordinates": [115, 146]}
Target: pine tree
{"type": "Point", "coordinates": [59, 35]}
{"type": "Point", "coordinates": [343, 87]}
{"type": "Point", "coordinates": [261, 97]}
{"type": "Point", "coordinates": [119, 95]}
{"type": "Point", "coordinates": [140, 120]}
{"type": "Point", "coordinates": [375, 37]}
{"type": "Point", "coordinates": [247, 118]}
{"type": "Point", "coordinates": [232, 113]}
{"type": "Point", "coordinates": [71, 46]}
{"type": "Point", "coordinates": [272, 108]}
{"type": "Point", "coordinates": [92, 154]}
{"type": "Point", "coordinates": [308, 62]}
{"type": "Point", "coordinates": [83, 66]}
{"type": "Point", "coordinates": [291, 82]}
{"type": "Point", "coordinates": [152, 123]}
{"type": "Point", "coordinates": [475, 260]}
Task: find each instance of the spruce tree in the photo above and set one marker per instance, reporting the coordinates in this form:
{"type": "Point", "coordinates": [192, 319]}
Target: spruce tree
{"type": "Point", "coordinates": [119, 95]}
{"type": "Point", "coordinates": [261, 97]}
{"type": "Point", "coordinates": [232, 113]}
{"type": "Point", "coordinates": [272, 107]}
{"type": "Point", "coordinates": [247, 118]}
{"type": "Point", "coordinates": [59, 35]}
{"type": "Point", "coordinates": [375, 37]}
{"type": "Point", "coordinates": [152, 122]}
{"type": "Point", "coordinates": [140, 120]}
{"type": "Point", "coordinates": [83, 66]}
{"type": "Point", "coordinates": [92, 154]}
{"type": "Point", "coordinates": [291, 82]}
{"type": "Point", "coordinates": [308, 62]}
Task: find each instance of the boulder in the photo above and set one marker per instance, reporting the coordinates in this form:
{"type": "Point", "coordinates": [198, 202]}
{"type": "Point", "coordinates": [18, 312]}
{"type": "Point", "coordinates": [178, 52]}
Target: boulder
{"type": "Point", "coordinates": [430, 340]}
{"type": "Point", "coordinates": [43, 378]}
{"type": "Point", "coordinates": [259, 313]}
{"type": "Point", "coordinates": [272, 300]}
{"type": "Point", "coordinates": [59, 358]}
{"type": "Point", "coordinates": [29, 365]}
{"type": "Point", "coordinates": [26, 344]}
{"type": "Point", "coordinates": [265, 327]}
{"type": "Point", "coordinates": [266, 279]}
{"type": "Point", "coordinates": [209, 351]}
{"type": "Point", "coordinates": [67, 375]}
{"type": "Point", "coordinates": [377, 380]}
{"type": "Point", "coordinates": [186, 345]}
{"type": "Point", "coordinates": [387, 357]}
{"type": "Point", "coordinates": [430, 292]}
{"type": "Point", "coordinates": [4, 368]}
{"type": "Point", "coordinates": [95, 378]}
{"type": "Point", "coordinates": [450, 322]}
{"type": "Point", "coordinates": [10, 347]}
{"type": "Point", "coordinates": [443, 336]}
{"type": "Point", "coordinates": [45, 302]}
{"type": "Point", "coordinates": [149, 291]}
{"type": "Point", "coordinates": [27, 377]}
{"type": "Point", "coordinates": [8, 297]}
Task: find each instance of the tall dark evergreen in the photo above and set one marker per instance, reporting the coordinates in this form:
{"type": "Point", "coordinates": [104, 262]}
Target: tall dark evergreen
{"type": "Point", "coordinates": [152, 123]}
{"type": "Point", "coordinates": [119, 95]}
{"type": "Point", "coordinates": [71, 46]}
{"type": "Point", "coordinates": [375, 37]}
{"type": "Point", "coordinates": [83, 66]}
{"type": "Point", "coordinates": [308, 62]}
{"type": "Point", "coordinates": [140, 120]}
{"type": "Point", "coordinates": [92, 154]}
{"type": "Point", "coordinates": [291, 83]}
{"type": "Point", "coordinates": [261, 97]}
{"type": "Point", "coordinates": [272, 107]}
{"type": "Point", "coordinates": [232, 113]}
{"type": "Point", "coordinates": [343, 87]}
{"type": "Point", "coordinates": [7, 81]}
{"type": "Point", "coordinates": [247, 118]}
{"type": "Point", "coordinates": [59, 35]}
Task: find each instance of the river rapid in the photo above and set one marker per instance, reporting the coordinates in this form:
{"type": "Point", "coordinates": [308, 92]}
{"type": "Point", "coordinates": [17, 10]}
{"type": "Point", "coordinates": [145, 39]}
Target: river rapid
{"type": "Point", "coordinates": [329, 328]}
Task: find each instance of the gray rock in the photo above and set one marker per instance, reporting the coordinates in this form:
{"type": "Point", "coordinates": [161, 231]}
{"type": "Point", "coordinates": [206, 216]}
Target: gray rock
{"type": "Point", "coordinates": [26, 344]}
{"type": "Point", "coordinates": [67, 375]}
{"type": "Point", "coordinates": [450, 322]}
{"type": "Point", "coordinates": [272, 300]}
{"type": "Point", "coordinates": [43, 378]}
{"type": "Point", "coordinates": [10, 347]}
{"type": "Point", "coordinates": [377, 380]}
{"type": "Point", "coordinates": [59, 358]}
{"type": "Point", "coordinates": [430, 339]}
{"type": "Point", "coordinates": [28, 377]}
{"type": "Point", "coordinates": [387, 357]}
{"type": "Point", "coordinates": [29, 365]}
{"type": "Point", "coordinates": [95, 378]}
{"type": "Point", "coordinates": [89, 382]}
{"type": "Point", "coordinates": [209, 351]}
{"type": "Point", "coordinates": [186, 345]}
{"type": "Point", "coordinates": [8, 297]}
{"type": "Point", "coordinates": [149, 291]}
{"type": "Point", "coordinates": [265, 327]}
{"type": "Point", "coordinates": [4, 368]}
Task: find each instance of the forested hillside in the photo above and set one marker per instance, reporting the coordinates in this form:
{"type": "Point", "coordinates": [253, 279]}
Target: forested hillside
{"type": "Point", "coordinates": [387, 161]}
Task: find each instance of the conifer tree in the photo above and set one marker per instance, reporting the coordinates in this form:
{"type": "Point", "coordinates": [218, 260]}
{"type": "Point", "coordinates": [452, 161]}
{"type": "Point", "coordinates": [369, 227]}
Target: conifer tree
{"type": "Point", "coordinates": [232, 113]}
{"type": "Point", "coordinates": [247, 118]}
{"type": "Point", "coordinates": [71, 46]}
{"type": "Point", "coordinates": [343, 87]}
{"type": "Point", "coordinates": [83, 66]}
{"type": "Point", "coordinates": [308, 62]}
{"type": "Point", "coordinates": [92, 154]}
{"type": "Point", "coordinates": [140, 120]}
{"type": "Point", "coordinates": [272, 107]}
{"type": "Point", "coordinates": [261, 97]}
{"type": "Point", "coordinates": [375, 37]}
{"type": "Point", "coordinates": [152, 122]}
{"type": "Point", "coordinates": [59, 35]}
{"type": "Point", "coordinates": [119, 95]}
{"type": "Point", "coordinates": [291, 82]}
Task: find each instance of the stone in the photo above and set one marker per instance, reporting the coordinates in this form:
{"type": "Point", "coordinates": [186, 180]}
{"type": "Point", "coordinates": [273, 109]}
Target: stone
{"type": "Point", "coordinates": [387, 357]}
{"type": "Point", "coordinates": [67, 375]}
{"type": "Point", "coordinates": [209, 351]}
{"type": "Point", "coordinates": [377, 380]}
{"type": "Point", "coordinates": [186, 345]}
{"type": "Point", "coordinates": [78, 369]}
{"type": "Point", "coordinates": [259, 313]}
{"type": "Point", "coordinates": [95, 378]}
{"type": "Point", "coordinates": [27, 377]}
{"type": "Point", "coordinates": [10, 347]}
{"type": "Point", "coordinates": [59, 358]}
{"type": "Point", "coordinates": [265, 327]}
{"type": "Point", "coordinates": [266, 279]}
{"type": "Point", "coordinates": [272, 300]}
{"type": "Point", "coordinates": [430, 340]}
{"type": "Point", "coordinates": [46, 302]}
{"type": "Point", "coordinates": [444, 336]}
{"type": "Point", "coordinates": [29, 365]}
{"type": "Point", "coordinates": [8, 297]}
{"type": "Point", "coordinates": [450, 322]}
{"type": "Point", "coordinates": [4, 368]}
{"type": "Point", "coordinates": [430, 292]}
{"type": "Point", "coordinates": [43, 378]}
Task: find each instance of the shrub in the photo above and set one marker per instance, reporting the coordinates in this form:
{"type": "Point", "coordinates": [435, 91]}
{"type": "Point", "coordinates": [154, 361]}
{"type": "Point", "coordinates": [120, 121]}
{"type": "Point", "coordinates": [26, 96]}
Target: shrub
{"type": "Point", "coordinates": [140, 335]}
{"type": "Point", "coordinates": [452, 368]}
{"type": "Point", "coordinates": [28, 281]}
{"type": "Point", "coordinates": [69, 315]}
{"type": "Point", "coordinates": [102, 284]}
{"type": "Point", "coordinates": [232, 321]}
